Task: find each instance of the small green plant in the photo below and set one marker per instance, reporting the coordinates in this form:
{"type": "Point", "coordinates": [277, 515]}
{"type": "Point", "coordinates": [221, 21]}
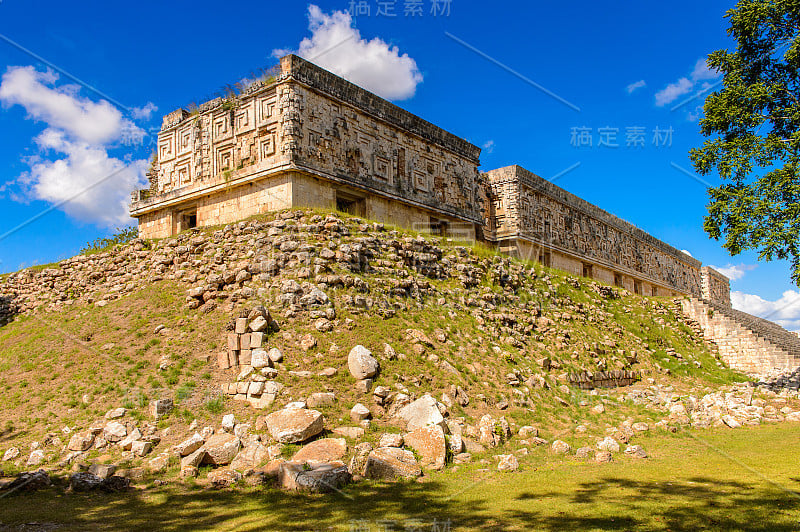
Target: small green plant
{"type": "Point", "coordinates": [122, 236]}
{"type": "Point", "coordinates": [215, 405]}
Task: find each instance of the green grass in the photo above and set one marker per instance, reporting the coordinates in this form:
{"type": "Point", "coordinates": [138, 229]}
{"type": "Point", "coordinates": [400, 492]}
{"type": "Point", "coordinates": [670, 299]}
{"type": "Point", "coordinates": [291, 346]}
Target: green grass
{"type": "Point", "coordinates": [705, 480]}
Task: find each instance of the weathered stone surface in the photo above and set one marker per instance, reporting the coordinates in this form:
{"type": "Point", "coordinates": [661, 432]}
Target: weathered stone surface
{"type": "Point", "coordinates": [29, 481]}
{"type": "Point", "coordinates": [321, 399]}
{"type": "Point", "coordinates": [637, 451]}
{"type": "Point", "coordinates": [430, 444]}
{"type": "Point", "coordinates": [161, 407]}
{"type": "Point", "coordinates": [221, 449]}
{"type": "Point", "coordinates": [361, 363]}
{"type": "Point", "coordinates": [115, 413]}
{"type": "Point", "coordinates": [88, 482]}
{"type": "Point", "coordinates": [193, 459]}
{"type": "Point", "coordinates": [141, 448]}
{"type": "Point", "coordinates": [223, 478]}
{"type": "Point", "coordinates": [603, 456]}
{"type": "Point", "coordinates": [189, 445]}
{"type": "Point", "coordinates": [353, 433]}
{"type": "Point", "coordinates": [421, 413]}
{"type": "Point", "coordinates": [391, 463]}
{"type": "Point", "coordinates": [81, 442]}
{"type": "Point", "coordinates": [250, 457]}
{"type": "Point", "coordinates": [293, 425]}
{"type": "Point", "coordinates": [508, 462]}
{"type": "Point", "coordinates": [608, 444]}
{"type": "Point", "coordinates": [391, 440]}
{"type": "Point", "coordinates": [324, 450]}
{"type": "Point", "coordinates": [493, 432]}
{"type": "Point", "coordinates": [259, 358]}
{"type": "Point", "coordinates": [102, 470]}
{"type": "Point", "coordinates": [114, 432]}
{"type": "Point", "coordinates": [319, 478]}
{"type": "Point", "coordinates": [11, 454]}
{"type": "Point", "coordinates": [560, 447]}
{"type": "Point", "coordinates": [359, 413]}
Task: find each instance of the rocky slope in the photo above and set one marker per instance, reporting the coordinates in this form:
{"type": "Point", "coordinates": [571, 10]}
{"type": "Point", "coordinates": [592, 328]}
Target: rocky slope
{"type": "Point", "coordinates": [383, 353]}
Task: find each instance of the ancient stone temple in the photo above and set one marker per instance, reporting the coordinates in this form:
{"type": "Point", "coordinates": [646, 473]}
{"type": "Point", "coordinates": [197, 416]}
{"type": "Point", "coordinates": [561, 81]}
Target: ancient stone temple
{"type": "Point", "coordinates": [305, 137]}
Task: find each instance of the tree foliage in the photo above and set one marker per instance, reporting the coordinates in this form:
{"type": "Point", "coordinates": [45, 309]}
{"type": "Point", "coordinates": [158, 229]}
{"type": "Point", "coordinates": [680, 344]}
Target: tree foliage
{"type": "Point", "coordinates": [754, 136]}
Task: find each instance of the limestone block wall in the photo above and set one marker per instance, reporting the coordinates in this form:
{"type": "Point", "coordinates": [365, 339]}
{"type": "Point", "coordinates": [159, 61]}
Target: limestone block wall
{"type": "Point", "coordinates": [715, 286]}
{"type": "Point", "coordinates": [572, 234]}
{"type": "Point", "coordinates": [739, 347]}
{"type": "Point", "coordinates": [353, 137]}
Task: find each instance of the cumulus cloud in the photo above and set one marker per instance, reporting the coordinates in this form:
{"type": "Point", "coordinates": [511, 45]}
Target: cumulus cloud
{"type": "Point", "coordinates": [697, 80]}
{"type": "Point", "coordinates": [784, 311]}
{"type": "Point", "coordinates": [734, 272]}
{"type": "Point", "coordinates": [61, 107]}
{"type": "Point", "coordinates": [672, 91]}
{"type": "Point", "coordinates": [337, 46]}
{"type": "Point", "coordinates": [73, 169]}
{"type": "Point", "coordinates": [635, 85]}
{"type": "Point", "coordinates": [144, 112]}
{"type": "Point", "coordinates": [687, 252]}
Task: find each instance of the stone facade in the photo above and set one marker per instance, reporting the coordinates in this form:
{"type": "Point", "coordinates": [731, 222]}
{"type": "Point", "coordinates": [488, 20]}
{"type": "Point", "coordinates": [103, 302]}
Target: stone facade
{"type": "Point", "coordinates": [308, 138]}
{"type": "Point", "coordinates": [534, 219]}
{"type": "Point", "coordinates": [303, 137]}
{"type": "Point", "coordinates": [715, 286]}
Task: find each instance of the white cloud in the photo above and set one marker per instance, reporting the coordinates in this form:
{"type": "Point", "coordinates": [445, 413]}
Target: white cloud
{"type": "Point", "coordinates": [701, 71]}
{"type": "Point", "coordinates": [488, 146]}
{"type": "Point", "coordinates": [144, 112]}
{"type": "Point", "coordinates": [687, 252]}
{"type": "Point", "coordinates": [635, 85]}
{"type": "Point", "coordinates": [671, 92]}
{"type": "Point", "coordinates": [784, 311]}
{"type": "Point", "coordinates": [61, 107]}
{"type": "Point", "coordinates": [337, 46]}
{"type": "Point", "coordinates": [73, 168]}
{"type": "Point", "coordinates": [697, 80]}
{"type": "Point", "coordinates": [734, 272]}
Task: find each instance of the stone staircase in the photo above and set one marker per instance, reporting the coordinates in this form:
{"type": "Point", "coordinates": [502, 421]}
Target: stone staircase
{"type": "Point", "coordinates": [746, 343]}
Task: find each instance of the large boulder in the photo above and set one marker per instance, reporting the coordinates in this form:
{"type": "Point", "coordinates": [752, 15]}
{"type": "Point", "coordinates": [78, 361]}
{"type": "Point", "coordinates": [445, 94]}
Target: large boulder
{"type": "Point", "coordinates": [114, 432]}
{"type": "Point", "coordinates": [293, 425]}
{"type": "Point", "coordinates": [421, 413]}
{"type": "Point", "coordinates": [318, 478]}
{"type": "Point", "coordinates": [430, 444]}
{"type": "Point", "coordinates": [29, 481]}
{"type": "Point", "coordinates": [81, 442]}
{"type": "Point", "coordinates": [85, 481]}
{"type": "Point", "coordinates": [324, 450]}
{"type": "Point", "coordinates": [361, 363]}
{"type": "Point", "coordinates": [250, 457]}
{"type": "Point", "coordinates": [389, 463]}
{"type": "Point", "coordinates": [221, 449]}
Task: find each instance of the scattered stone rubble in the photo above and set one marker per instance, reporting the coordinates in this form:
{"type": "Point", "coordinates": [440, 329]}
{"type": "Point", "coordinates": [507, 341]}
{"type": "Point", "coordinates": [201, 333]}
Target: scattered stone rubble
{"type": "Point", "coordinates": [244, 261]}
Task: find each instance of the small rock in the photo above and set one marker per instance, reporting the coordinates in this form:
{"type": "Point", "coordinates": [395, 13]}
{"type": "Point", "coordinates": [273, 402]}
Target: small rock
{"type": "Point", "coordinates": [508, 462]}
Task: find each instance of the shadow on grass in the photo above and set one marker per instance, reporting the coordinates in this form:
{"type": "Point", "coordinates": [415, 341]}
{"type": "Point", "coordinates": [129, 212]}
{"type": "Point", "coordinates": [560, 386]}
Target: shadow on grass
{"type": "Point", "coordinates": [604, 504]}
{"type": "Point", "coordinates": [696, 503]}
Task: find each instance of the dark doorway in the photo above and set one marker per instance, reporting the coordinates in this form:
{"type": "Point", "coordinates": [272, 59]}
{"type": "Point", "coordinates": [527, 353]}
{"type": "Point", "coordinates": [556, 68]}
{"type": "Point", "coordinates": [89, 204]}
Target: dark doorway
{"type": "Point", "coordinates": [350, 204]}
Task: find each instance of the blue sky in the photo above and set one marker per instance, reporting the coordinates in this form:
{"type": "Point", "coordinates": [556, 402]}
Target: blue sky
{"type": "Point", "coordinates": [506, 76]}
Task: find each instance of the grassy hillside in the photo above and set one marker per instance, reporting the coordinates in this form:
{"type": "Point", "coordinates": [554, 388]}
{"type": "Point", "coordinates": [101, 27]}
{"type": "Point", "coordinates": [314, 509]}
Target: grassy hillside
{"type": "Point", "coordinates": [490, 321]}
